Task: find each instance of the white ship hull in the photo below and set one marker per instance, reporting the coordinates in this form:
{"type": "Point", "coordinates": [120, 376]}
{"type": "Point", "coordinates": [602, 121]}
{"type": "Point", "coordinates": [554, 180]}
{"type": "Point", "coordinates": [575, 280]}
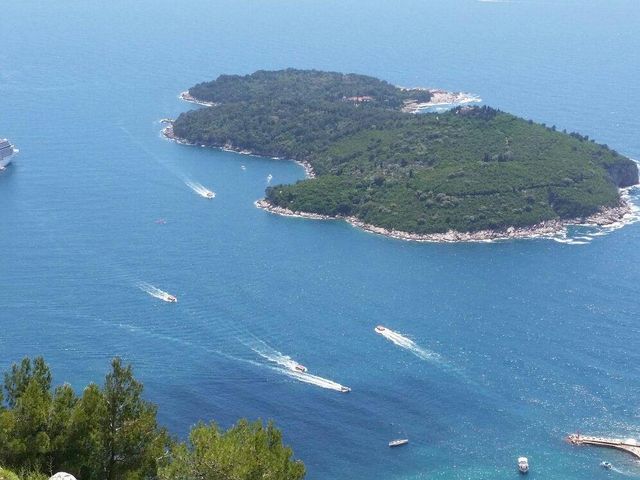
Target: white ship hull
{"type": "Point", "coordinates": [6, 161]}
{"type": "Point", "coordinates": [7, 152]}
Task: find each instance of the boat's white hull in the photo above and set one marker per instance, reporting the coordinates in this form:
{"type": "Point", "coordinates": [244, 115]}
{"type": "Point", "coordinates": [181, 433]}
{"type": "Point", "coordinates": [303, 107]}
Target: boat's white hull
{"type": "Point", "coordinates": [7, 160]}
{"type": "Point", "coordinates": [4, 162]}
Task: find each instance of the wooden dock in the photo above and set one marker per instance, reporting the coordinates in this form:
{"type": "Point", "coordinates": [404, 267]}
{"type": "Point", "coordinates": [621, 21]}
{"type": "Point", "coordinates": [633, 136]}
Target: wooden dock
{"type": "Point", "coordinates": [629, 445]}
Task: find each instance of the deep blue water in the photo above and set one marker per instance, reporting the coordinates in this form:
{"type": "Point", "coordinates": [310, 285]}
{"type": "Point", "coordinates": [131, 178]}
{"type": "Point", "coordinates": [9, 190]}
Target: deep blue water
{"type": "Point", "coordinates": [522, 342]}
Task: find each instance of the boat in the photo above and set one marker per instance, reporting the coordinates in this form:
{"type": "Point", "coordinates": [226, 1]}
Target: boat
{"type": "Point", "coordinates": [7, 151]}
{"type": "Point", "coordinates": [300, 368]}
{"type": "Point", "coordinates": [209, 194]}
{"type": "Point", "coordinates": [606, 465]}
{"type": "Point", "coordinates": [269, 178]}
{"type": "Point", "coordinates": [344, 389]}
{"type": "Point", "coordinates": [380, 329]}
{"type": "Point", "coordinates": [398, 442]}
{"type": "Point", "coordinates": [523, 464]}
{"type": "Point", "coordinates": [170, 298]}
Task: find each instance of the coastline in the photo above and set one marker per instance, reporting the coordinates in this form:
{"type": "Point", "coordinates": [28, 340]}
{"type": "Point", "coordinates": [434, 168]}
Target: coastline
{"type": "Point", "coordinates": [167, 132]}
{"type": "Point", "coordinates": [440, 98]}
{"type": "Point", "coordinates": [186, 96]}
{"type": "Point", "coordinates": [608, 217]}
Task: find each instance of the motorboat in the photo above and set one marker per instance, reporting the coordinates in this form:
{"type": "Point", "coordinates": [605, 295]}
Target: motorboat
{"type": "Point", "coordinates": [523, 464]}
{"type": "Point", "coordinates": [209, 194]}
{"type": "Point", "coordinates": [398, 442]}
{"type": "Point", "coordinates": [380, 329]}
{"type": "Point", "coordinates": [300, 368]}
{"type": "Point", "coordinates": [606, 465]}
{"type": "Point", "coordinates": [170, 298]}
{"type": "Point", "coordinates": [344, 389]}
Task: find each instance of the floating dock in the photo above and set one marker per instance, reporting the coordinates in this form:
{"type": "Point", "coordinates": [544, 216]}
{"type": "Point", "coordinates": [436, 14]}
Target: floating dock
{"type": "Point", "coordinates": [629, 445]}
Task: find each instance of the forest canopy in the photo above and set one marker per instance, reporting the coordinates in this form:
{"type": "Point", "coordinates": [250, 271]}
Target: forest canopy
{"type": "Point", "coordinates": [468, 169]}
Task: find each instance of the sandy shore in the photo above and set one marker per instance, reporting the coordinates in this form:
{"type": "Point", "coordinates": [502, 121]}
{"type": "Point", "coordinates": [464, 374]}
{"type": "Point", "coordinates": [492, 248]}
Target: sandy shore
{"type": "Point", "coordinates": [607, 217]}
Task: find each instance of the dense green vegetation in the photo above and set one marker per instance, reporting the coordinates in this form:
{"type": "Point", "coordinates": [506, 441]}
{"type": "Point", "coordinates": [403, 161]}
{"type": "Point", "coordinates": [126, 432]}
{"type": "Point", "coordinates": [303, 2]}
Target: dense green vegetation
{"type": "Point", "coordinates": [468, 169]}
{"type": "Point", "coordinates": [111, 433]}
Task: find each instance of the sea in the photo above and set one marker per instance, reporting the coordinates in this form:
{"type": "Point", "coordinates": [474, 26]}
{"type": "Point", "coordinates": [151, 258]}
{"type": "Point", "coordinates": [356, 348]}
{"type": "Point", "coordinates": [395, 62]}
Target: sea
{"type": "Point", "coordinates": [493, 350]}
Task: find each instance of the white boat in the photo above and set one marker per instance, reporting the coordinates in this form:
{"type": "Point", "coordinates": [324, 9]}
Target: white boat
{"type": "Point", "coordinates": [300, 368]}
{"type": "Point", "coordinates": [7, 151]}
{"type": "Point", "coordinates": [269, 178]}
{"type": "Point", "coordinates": [398, 442]}
{"type": "Point", "coordinates": [170, 298]}
{"type": "Point", "coordinates": [523, 464]}
{"type": "Point", "coordinates": [209, 194]}
{"type": "Point", "coordinates": [606, 465]}
{"type": "Point", "coordinates": [344, 389]}
{"type": "Point", "coordinates": [380, 329]}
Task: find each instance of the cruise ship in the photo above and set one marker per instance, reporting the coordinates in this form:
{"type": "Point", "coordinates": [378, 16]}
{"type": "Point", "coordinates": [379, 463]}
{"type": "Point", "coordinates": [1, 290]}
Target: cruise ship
{"type": "Point", "coordinates": [6, 152]}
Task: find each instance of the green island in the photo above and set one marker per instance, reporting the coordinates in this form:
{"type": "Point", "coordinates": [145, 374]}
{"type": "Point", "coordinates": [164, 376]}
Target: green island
{"type": "Point", "coordinates": [470, 169]}
{"type": "Point", "coordinates": [111, 432]}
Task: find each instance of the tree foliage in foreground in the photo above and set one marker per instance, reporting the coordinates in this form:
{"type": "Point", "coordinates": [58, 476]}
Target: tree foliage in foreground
{"type": "Point", "coordinates": [245, 451]}
{"type": "Point", "coordinates": [111, 433]}
{"type": "Point", "coordinates": [469, 169]}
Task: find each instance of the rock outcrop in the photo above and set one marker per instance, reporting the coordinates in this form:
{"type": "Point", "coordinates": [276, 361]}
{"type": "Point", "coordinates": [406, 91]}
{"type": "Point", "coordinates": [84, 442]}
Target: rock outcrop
{"type": "Point", "coordinates": [624, 174]}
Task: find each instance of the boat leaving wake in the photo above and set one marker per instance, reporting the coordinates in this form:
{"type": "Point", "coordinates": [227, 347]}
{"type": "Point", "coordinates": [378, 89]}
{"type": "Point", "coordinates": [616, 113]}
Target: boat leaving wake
{"type": "Point", "coordinates": [287, 366]}
{"type": "Point", "coordinates": [156, 292]}
{"type": "Point", "coordinates": [406, 343]}
{"type": "Point", "coordinates": [200, 189]}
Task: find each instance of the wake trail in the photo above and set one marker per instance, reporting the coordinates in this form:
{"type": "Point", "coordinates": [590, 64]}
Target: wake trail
{"type": "Point", "coordinates": [156, 292]}
{"type": "Point", "coordinates": [408, 344]}
{"type": "Point", "coordinates": [285, 365]}
{"type": "Point", "coordinates": [195, 186]}
{"type": "Point", "coordinates": [199, 188]}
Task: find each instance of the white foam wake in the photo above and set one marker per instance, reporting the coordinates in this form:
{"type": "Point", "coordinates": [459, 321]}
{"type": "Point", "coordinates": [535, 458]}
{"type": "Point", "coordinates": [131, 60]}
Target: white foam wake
{"type": "Point", "coordinates": [286, 365]}
{"type": "Point", "coordinates": [155, 292]}
{"type": "Point", "coordinates": [408, 344]}
{"type": "Point", "coordinates": [199, 189]}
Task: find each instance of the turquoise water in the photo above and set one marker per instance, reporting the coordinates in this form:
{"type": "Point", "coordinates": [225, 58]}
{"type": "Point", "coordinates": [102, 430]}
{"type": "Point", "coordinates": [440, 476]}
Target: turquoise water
{"type": "Point", "coordinates": [516, 343]}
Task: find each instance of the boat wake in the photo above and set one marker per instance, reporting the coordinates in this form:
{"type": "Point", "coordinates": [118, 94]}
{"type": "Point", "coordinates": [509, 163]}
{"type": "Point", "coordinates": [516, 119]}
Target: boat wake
{"type": "Point", "coordinates": [156, 292]}
{"type": "Point", "coordinates": [408, 344]}
{"type": "Point", "coordinates": [199, 189]}
{"type": "Point", "coordinates": [286, 365]}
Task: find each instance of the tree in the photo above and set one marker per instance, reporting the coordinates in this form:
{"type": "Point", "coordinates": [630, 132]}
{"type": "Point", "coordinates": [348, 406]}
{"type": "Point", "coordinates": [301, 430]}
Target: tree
{"type": "Point", "coordinates": [86, 438]}
{"type": "Point", "coordinates": [247, 451]}
{"type": "Point", "coordinates": [132, 440]}
{"type": "Point", "coordinates": [15, 382]}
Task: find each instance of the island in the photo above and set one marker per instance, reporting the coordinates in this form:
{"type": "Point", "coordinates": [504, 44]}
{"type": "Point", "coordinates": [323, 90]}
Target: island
{"type": "Point", "coordinates": [470, 173]}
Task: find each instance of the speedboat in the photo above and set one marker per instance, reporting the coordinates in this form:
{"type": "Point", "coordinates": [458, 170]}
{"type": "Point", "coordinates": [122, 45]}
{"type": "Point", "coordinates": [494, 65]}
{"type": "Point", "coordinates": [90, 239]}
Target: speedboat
{"type": "Point", "coordinates": [523, 464]}
{"type": "Point", "coordinates": [344, 389]}
{"type": "Point", "coordinates": [399, 442]}
{"type": "Point", "coordinates": [209, 194]}
{"type": "Point", "coordinates": [380, 329]}
{"type": "Point", "coordinates": [269, 178]}
{"type": "Point", "coordinates": [606, 465]}
{"type": "Point", "coordinates": [170, 298]}
{"type": "Point", "coordinates": [300, 368]}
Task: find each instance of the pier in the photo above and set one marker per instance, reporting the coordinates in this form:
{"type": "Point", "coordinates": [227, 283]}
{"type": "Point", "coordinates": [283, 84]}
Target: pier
{"type": "Point", "coordinates": [629, 445]}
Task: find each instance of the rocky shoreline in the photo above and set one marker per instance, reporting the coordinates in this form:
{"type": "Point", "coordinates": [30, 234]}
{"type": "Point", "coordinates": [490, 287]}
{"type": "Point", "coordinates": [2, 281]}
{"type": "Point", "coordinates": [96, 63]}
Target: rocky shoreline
{"type": "Point", "coordinates": [440, 98]}
{"type": "Point", "coordinates": [186, 96]}
{"type": "Point", "coordinates": [606, 217]}
{"type": "Point", "coordinates": [168, 133]}
{"type": "Point", "coordinates": [623, 213]}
